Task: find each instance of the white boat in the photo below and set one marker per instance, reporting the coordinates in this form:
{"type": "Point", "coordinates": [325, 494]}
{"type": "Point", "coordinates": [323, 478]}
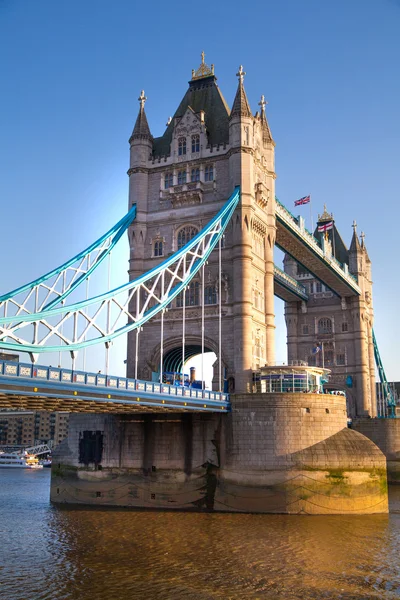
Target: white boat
{"type": "Point", "coordinates": [19, 461]}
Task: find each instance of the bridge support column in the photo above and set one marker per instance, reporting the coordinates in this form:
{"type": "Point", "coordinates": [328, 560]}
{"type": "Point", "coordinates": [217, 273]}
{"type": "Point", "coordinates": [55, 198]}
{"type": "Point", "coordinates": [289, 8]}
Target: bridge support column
{"type": "Point", "coordinates": [361, 359]}
{"type": "Point", "coordinates": [242, 320]}
{"type": "Point", "coordinates": [269, 292]}
{"type": "Point", "coordinates": [372, 387]}
{"type": "Point", "coordinates": [291, 328]}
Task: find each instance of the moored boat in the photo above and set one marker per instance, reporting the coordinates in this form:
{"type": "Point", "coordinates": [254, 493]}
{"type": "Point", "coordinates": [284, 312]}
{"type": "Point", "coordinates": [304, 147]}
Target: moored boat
{"type": "Point", "coordinates": [19, 461]}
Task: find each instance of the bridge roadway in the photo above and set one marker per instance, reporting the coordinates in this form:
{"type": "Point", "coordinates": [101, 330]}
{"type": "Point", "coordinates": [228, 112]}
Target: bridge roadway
{"type": "Point", "coordinates": [292, 237]}
{"type": "Point", "coordinates": [287, 288]}
{"type": "Point", "coordinates": [35, 387]}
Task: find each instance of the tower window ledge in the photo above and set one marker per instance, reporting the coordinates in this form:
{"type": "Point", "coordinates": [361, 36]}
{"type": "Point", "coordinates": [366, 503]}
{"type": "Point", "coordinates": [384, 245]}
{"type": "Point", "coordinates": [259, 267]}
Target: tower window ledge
{"type": "Point", "coordinates": [195, 186]}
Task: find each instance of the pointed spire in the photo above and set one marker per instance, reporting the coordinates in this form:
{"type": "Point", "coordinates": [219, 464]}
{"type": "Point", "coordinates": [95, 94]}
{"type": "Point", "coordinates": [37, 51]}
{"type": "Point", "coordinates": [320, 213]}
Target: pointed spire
{"type": "Point", "coordinates": [364, 247]}
{"type": "Point", "coordinates": [355, 242]}
{"type": "Point", "coordinates": [141, 129]}
{"type": "Point", "coordinates": [241, 105]}
{"type": "Point", "coordinates": [267, 136]}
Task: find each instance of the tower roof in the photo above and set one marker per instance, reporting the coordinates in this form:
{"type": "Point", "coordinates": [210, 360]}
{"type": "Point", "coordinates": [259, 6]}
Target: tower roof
{"type": "Point", "coordinates": [339, 248]}
{"type": "Point", "coordinates": [241, 106]}
{"type": "Point", "coordinates": [203, 94]}
{"type": "Point", "coordinates": [141, 129]}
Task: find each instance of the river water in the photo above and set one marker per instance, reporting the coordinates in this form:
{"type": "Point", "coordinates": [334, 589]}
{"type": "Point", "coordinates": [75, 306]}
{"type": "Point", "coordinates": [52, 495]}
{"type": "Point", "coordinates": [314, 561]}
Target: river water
{"type": "Point", "coordinates": [52, 553]}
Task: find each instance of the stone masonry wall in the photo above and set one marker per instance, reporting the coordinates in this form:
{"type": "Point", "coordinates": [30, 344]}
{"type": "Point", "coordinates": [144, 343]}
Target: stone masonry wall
{"type": "Point", "coordinates": [286, 453]}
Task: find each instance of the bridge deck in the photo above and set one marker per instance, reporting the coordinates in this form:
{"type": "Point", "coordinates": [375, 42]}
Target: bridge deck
{"type": "Point", "coordinates": [292, 237]}
{"type": "Point", "coordinates": [35, 387]}
{"type": "Point", "coordinates": [287, 288]}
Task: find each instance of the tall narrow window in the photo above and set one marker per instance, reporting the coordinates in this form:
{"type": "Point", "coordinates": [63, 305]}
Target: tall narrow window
{"type": "Point", "coordinates": [324, 326]}
{"type": "Point", "coordinates": [345, 326]}
{"type": "Point", "coordinates": [210, 295]}
{"type": "Point", "coordinates": [209, 174]}
{"type": "Point", "coordinates": [168, 180]}
{"type": "Point", "coordinates": [181, 177]}
{"type": "Point", "coordinates": [318, 287]}
{"type": "Point", "coordinates": [340, 359]}
{"type": "Point", "coordinates": [185, 235]}
{"type": "Point", "coordinates": [158, 248]}
{"type": "Point", "coordinates": [181, 146]}
{"type": "Point", "coordinates": [195, 175]}
{"type": "Point", "coordinates": [192, 294]}
{"type": "Point", "coordinates": [195, 143]}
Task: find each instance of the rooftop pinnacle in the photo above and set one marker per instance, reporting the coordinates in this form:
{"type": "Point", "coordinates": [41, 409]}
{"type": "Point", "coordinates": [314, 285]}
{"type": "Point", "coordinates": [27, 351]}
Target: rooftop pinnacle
{"type": "Point", "coordinates": [141, 129]}
{"type": "Point", "coordinates": [241, 105]}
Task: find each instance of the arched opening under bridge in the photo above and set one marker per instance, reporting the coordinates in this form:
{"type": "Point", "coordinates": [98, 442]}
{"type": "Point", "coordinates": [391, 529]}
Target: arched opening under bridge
{"type": "Point", "coordinates": [193, 359]}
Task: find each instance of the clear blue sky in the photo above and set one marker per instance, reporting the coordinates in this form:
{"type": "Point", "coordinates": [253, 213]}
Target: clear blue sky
{"type": "Point", "coordinates": [71, 72]}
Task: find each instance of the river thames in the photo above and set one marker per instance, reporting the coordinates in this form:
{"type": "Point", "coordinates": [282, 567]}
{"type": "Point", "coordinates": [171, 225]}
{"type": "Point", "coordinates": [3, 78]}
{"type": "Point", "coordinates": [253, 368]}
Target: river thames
{"type": "Point", "coordinates": [53, 553]}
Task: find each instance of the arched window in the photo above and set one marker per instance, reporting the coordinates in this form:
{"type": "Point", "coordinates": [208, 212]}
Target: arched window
{"type": "Point", "coordinates": [195, 143]}
{"type": "Point", "coordinates": [324, 326]}
{"type": "Point", "coordinates": [181, 177]}
{"type": "Point", "coordinates": [195, 175]}
{"type": "Point", "coordinates": [185, 235]}
{"type": "Point", "coordinates": [181, 146]}
{"type": "Point", "coordinates": [168, 180]}
{"type": "Point", "coordinates": [209, 174]}
{"type": "Point", "coordinates": [210, 295]}
{"type": "Point", "coordinates": [158, 248]}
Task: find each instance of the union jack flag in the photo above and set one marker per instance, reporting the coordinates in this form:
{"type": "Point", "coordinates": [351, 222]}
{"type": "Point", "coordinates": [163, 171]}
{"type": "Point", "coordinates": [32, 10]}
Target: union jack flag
{"type": "Point", "coordinates": [304, 200]}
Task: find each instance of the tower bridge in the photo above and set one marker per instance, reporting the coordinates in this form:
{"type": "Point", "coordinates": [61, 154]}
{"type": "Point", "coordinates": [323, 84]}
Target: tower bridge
{"type": "Point", "coordinates": [203, 223]}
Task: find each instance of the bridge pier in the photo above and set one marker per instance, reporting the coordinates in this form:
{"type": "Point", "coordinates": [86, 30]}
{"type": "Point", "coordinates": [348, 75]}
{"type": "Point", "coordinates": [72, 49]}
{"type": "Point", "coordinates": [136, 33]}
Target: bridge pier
{"type": "Point", "coordinates": [385, 433]}
{"type": "Point", "coordinates": [274, 453]}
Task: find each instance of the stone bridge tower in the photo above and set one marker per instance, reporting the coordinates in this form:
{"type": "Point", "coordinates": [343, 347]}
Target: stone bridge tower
{"type": "Point", "coordinates": [179, 181]}
{"type": "Point", "coordinates": [341, 327]}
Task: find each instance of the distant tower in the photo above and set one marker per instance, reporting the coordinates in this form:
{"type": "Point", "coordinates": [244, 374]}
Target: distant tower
{"type": "Point", "coordinates": [341, 326]}
{"type": "Point", "coordinates": [179, 182]}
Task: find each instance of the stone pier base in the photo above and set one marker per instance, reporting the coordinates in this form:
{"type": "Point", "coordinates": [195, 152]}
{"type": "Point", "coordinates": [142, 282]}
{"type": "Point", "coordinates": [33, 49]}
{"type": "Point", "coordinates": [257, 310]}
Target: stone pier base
{"type": "Point", "coordinates": [385, 433]}
{"type": "Point", "coordinates": [274, 453]}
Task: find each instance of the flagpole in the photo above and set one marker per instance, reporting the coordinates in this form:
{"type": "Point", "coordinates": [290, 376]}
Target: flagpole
{"type": "Point", "coordinates": [311, 219]}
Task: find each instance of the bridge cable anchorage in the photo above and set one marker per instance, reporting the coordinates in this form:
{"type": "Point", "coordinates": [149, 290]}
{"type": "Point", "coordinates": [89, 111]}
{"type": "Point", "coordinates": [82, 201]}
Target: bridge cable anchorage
{"type": "Point", "coordinates": [130, 306]}
{"type": "Point", "coordinates": [49, 290]}
{"type": "Point", "coordinates": [386, 397]}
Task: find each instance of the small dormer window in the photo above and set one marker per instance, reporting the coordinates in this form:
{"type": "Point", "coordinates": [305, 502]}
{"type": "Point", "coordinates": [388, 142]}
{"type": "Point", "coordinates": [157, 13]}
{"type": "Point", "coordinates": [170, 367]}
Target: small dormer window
{"type": "Point", "coordinates": [181, 177]}
{"type": "Point", "coordinates": [181, 146]}
{"type": "Point", "coordinates": [195, 143]}
{"type": "Point", "coordinates": [209, 174]}
{"type": "Point", "coordinates": [195, 175]}
{"type": "Point", "coordinates": [168, 180]}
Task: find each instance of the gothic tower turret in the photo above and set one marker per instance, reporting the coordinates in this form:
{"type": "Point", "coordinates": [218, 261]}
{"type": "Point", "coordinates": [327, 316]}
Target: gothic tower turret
{"type": "Point", "coordinates": [179, 181]}
{"type": "Point", "coordinates": [141, 142]}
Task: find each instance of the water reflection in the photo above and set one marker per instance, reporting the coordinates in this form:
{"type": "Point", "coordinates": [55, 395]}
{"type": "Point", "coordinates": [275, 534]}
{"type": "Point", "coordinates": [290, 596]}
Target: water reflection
{"type": "Point", "coordinates": [55, 553]}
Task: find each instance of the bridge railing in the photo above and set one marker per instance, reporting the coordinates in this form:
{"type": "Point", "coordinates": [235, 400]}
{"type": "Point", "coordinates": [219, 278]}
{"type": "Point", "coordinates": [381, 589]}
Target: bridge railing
{"type": "Point", "coordinates": [294, 224]}
{"type": "Point", "coordinates": [99, 380]}
{"type": "Point", "coordinates": [290, 282]}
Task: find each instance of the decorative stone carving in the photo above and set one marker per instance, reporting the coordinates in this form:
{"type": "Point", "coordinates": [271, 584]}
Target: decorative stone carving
{"type": "Point", "coordinates": [262, 194]}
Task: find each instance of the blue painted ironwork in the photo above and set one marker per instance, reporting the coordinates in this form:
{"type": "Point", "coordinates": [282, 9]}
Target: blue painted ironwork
{"type": "Point", "coordinates": [37, 381]}
{"type": "Point", "coordinates": [135, 302]}
{"type": "Point", "coordinates": [77, 268]}
{"type": "Point", "coordinates": [386, 391]}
